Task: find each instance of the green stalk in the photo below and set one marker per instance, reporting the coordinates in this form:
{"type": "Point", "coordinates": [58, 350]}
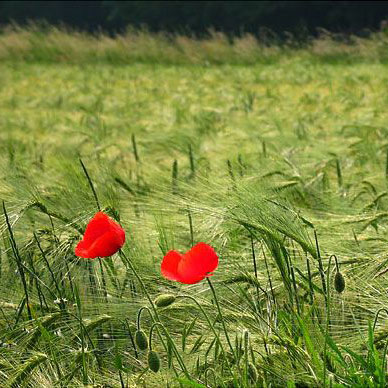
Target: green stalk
{"type": "Point", "coordinates": [269, 278]}
{"type": "Point", "coordinates": [167, 334]}
{"type": "Point", "coordinates": [57, 216]}
{"type": "Point", "coordinates": [126, 326]}
{"type": "Point", "coordinates": [18, 260]}
{"type": "Point", "coordinates": [84, 365]}
{"type": "Point", "coordinates": [41, 297]}
{"type": "Point", "coordinates": [209, 323]}
{"type": "Point", "coordinates": [174, 178]}
{"type": "Point", "coordinates": [50, 270]}
{"type": "Point", "coordinates": [1, 263]}
{"type": "Point", "coordinates": [320, 266]}
{"type": "Point", "coordinates": [191, 227]}
{"type": "Point", "coordinates": [339, 173]}
{"type": "Point", "coordinates": [70, 279]}
{"type": "Point", "coordinates": [246, 340]}
{"type": "Point", "coordinates": [377, 316]}
{"type": "Point", "coordinates": [134, 146]}
{"type": "Point", "coordinates": [255, 270]}
{"type": "Point", "coordinates": [386, 164]}
{"type": "Point", "coordinates": [240, 164]}
{"type": "Point", "coordinates": [157, 318]}
{"type": "Point", "coordinates": [311, 289]}
{"type": "Point", "coordinates": [90, 184]}
{"type": "Point", "coordinates": [39, 280]}
{"type": "Point", "coordinates": [191, 160]}
{"type": "Point", "coordinates": [264, 148]}
{"type": "Point", "coordinates": [221, 317]}
{"type": "Point", "coordinates": [103, 281]}
{"type": "Point", "coordinates": [122, 254]}
{"type": "Point", "coordinates": [231, 174]}
{"type": "Point", "coordinates": [327, 321]}
{"type": "Point", "coordinates": [139, 316]}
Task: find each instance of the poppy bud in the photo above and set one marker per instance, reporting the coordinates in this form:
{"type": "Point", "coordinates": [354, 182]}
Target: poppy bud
{"type": "Point", "coordinates": [164, 300]}
{"type": "Point", "coordinates": [141, 340]}
{"type": "Point", "coordinates": [154, 361]}
{"type": "Point", "coordinates": [339, 282]}
{"type": "Point", "coordinates": [252, 372]}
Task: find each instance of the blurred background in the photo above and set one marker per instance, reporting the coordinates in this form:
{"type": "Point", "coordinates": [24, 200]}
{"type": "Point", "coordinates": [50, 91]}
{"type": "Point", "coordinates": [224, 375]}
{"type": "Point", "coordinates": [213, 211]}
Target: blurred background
{"type": "Point", "coordinates": [301, 18]}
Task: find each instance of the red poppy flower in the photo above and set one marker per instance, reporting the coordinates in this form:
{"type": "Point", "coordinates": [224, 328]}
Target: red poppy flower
{"type": "Point", "coordinates": [103, 237]}
{"type": "Point", "coordinates": [192, 266]}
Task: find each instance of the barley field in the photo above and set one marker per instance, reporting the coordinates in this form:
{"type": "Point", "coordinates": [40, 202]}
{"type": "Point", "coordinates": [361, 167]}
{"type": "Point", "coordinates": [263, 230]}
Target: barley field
{"type": "Point", "coordinates": [275, 156]}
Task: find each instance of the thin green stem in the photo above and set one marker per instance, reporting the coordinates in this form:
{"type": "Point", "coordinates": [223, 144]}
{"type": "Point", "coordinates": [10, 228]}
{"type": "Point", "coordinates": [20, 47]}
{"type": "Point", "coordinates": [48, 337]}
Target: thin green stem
{"type": "Point", "coordinates": [191, 227]}
{"type": "Point", "coordinates": [48, 266]}
{"type": "Point", "coordinates": [42, 208]}
{"type": "Point", "coordinates": [255, 270]}
{"type": "Point", "coordinates": [139, 316]}
{"type": "Point", "coordinates": [320, 266]}
{"type": "Point", "coordinates": [246, 341]}
{"type": "Point", "coordinates": [221, 317]}
{"type": "Point", "coordinates": [140, 280]}
{"type": "Point", "coordinates": [134, 146]}
{"type": "Point", "coordinates": [157, 318]}
{"type": "Point", "coordinates": [336, 262]}
{"type": "Point", "coordinates": [41, 297]}
{"type": "Point", "coordinates": [191, 159]}
{"type": "Point", "coordinates": [209, 323]}
{"type": "Point", "coordinates": [39, 280]}
{"type": "Point", "coordinates": [167, 334]}
{"type": "Point", "coordinates": [339, 173]}
{"type": "Point", "coordinates": [311, 289]}
{"type": "Point", "coordinates": [90, 184]}
{"type": "Point", "coordinates": [327, 321]}
{"type": "Point", "coordinates": [85, 331]}
{"type": "Point", "coordinates": [126, 326]}
{"type": "Point", "coordinates": [269, 277]}
{"type": "Point", "coordinates": [174, 181]}
{"type": "Point", "coordinates": [386, 164]}
{"type": "Point", "coordinates": [18, 261]}
{"type": "Point", "coordinates": [82, 333]}
{"type": "Point", "coordinates": [377, 316]}
{"type": "Point", "coordinates": [103, 281]}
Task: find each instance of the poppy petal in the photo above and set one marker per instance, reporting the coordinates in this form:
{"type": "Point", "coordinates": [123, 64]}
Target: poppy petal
{"type": "Point", "coordinates": [103, 237]}
{"type": "Point", "coordinates": [118, 231]}
{"type": "Point", "coordinates": [96, 227]}
{"type": "Point", "coordinates": [169, 266]}
{"type": "Point", "coordinates": [192, 278]}
{"type": "Point", "coordinates": [198, 263]}
{"type": "Point", "coordinates": [81, 250]}
{"type": "Point", "coordinates": [106, 245]}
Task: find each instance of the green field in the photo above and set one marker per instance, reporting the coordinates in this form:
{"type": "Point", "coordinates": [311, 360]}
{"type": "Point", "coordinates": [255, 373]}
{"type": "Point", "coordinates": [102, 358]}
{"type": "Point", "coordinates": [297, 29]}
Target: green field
{"type": "Point", "coordinates": [253, 158]}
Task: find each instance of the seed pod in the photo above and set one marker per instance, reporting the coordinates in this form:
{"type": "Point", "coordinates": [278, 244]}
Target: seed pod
{"type": "Point", "coordinates": [154, 361]}
{"type": "Point", "coordinates": [339, 282]}
{"type": "Point", "coordinates": [164, 300]}
{"type": "Point", "coordinates": [141, 340]}
{"type": "Point", "coordinates": [252, 372]}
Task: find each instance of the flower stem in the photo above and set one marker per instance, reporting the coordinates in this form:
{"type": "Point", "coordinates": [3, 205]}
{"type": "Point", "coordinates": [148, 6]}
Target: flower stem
{"type": "Point", "coordinates": [18, 261]}
{"type": "Point", "coordinates": [327, 320]}
{"type": "Point", "coordinates": [209, 323]}
{"type": "Point", "coordinates": [157, 318]}
{"type": "Point", "coordinates": [122, 254]}
{"type": "Point", "coordinates": [90, 184]}
{"type": "Point", "coordinates": [169, 339]}
{"type": "Point", "coordinates": [139, 316]}
{"type": "Point", "coordinates": [220, 314]}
